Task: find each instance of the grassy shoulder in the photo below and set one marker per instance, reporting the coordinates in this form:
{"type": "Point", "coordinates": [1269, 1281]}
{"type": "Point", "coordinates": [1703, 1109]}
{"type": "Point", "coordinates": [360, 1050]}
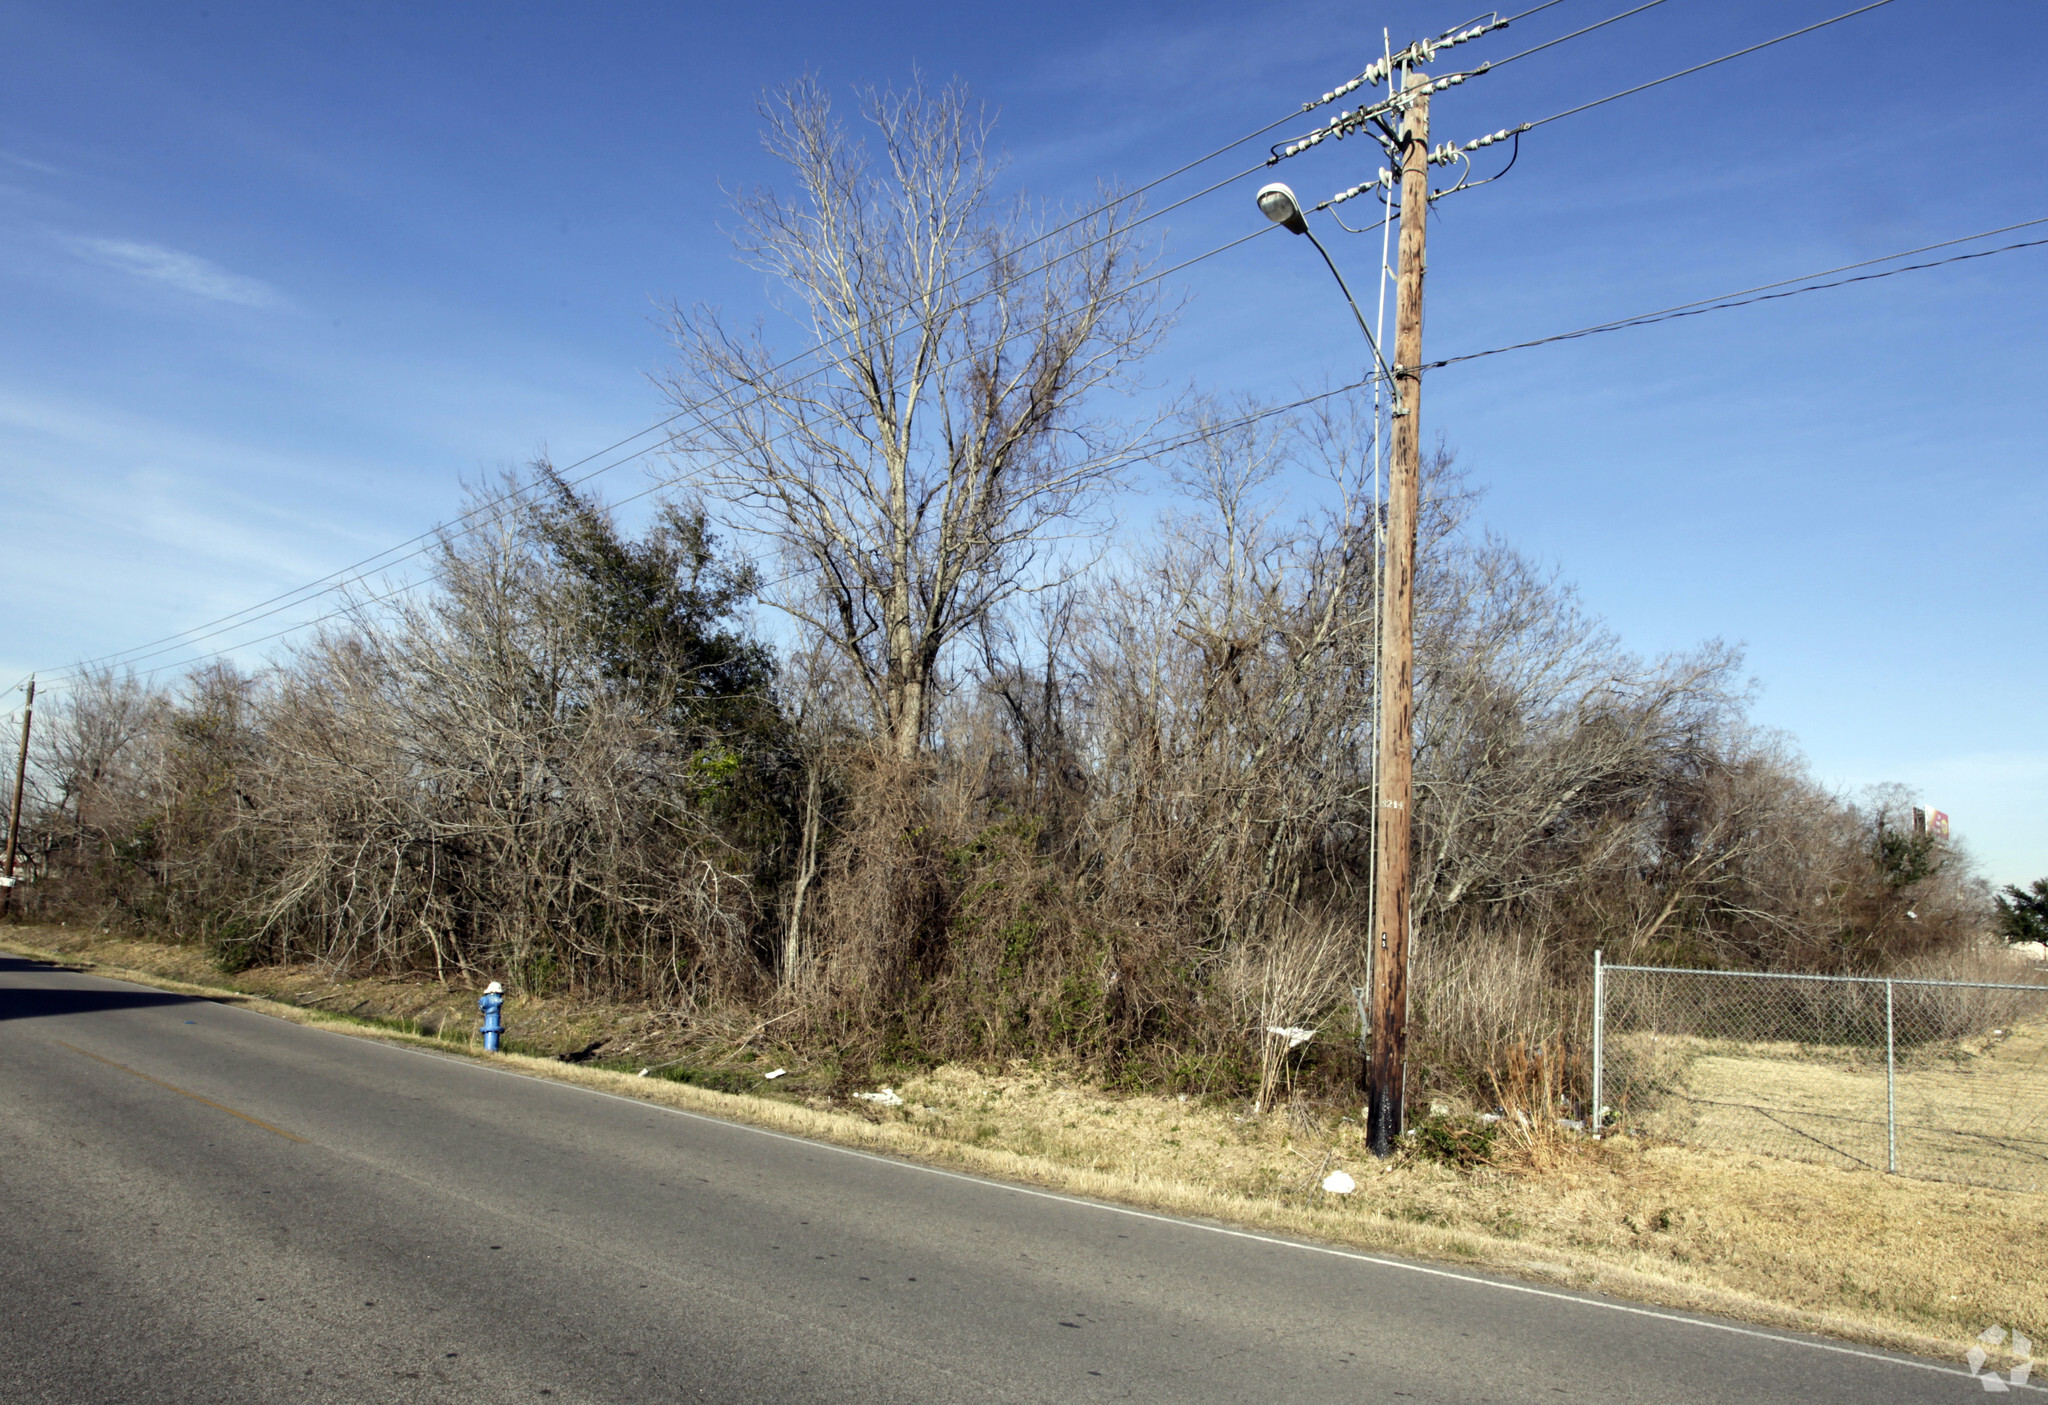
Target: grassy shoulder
{"type": "Point", "coordinates": [1908, 1264]}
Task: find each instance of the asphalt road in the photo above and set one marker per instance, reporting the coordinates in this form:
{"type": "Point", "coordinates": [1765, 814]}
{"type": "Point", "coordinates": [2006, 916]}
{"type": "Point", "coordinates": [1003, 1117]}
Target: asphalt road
{"type": "Point", "coordinates": [199, 1203]}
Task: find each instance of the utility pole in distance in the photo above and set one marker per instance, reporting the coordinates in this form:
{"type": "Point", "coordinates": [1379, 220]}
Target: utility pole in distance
{"type": "Point", "coordinates": [28, 713]}
{"type": "Point", "coordinates": [1385, 1072]}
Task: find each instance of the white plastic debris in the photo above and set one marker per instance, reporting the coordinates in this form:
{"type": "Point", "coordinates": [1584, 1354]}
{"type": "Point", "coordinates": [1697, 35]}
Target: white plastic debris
{"type": "Point", "coordinates": [1294, 1034]}
{"type": "Point", "coordinates": [776, 1073]}
{"type": "Point", "coordinates": [887, 1098]}
{"type": "Point", "coordinates": [644, 1072]}
{"type": "Point", "coordinates": [1339, 1183]}
{"type": "Point", "coordinates": [1489, 1117]}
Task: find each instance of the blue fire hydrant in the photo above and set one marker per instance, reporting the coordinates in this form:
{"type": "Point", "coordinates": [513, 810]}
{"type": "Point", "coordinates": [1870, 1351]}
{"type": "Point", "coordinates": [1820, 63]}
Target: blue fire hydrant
{"type": "Point", "coordinates": [492, 1003]}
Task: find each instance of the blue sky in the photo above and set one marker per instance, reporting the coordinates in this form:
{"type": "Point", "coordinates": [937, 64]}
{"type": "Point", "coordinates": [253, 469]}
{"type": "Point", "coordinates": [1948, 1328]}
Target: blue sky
{"type": "Point", "coordinates": [276, 280]}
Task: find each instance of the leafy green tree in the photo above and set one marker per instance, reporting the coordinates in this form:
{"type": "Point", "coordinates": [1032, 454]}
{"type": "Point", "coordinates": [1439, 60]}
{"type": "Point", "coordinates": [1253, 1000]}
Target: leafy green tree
{"type": "Point", "coordinates": [660, 616]}
{"type": "Point", "coordinates": [1906, 858]}
{"type": "Point", "coordinates": [2023, 914]}
{"type": "Point", "coordinates": [659, 611]}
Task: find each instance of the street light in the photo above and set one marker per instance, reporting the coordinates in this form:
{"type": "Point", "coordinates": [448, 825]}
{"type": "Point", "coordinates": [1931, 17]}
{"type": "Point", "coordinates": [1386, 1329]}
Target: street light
{"type": "Point", "coordinates": [1278, 203]}
{"type": "Point", "coordinates": [1280, 206]}
{"type": "Point", "coordinates": [1383, 1077]}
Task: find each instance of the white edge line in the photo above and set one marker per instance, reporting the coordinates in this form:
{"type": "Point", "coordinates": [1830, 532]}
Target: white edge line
{"type": "Point", "coordinates": [1125, 1210]}
{"type": "Point", "coordinates": [462, 1061]}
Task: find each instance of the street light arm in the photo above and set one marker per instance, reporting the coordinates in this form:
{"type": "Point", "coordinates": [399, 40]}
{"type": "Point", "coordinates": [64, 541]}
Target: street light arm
{"type": "Point", "coordinates": [1345, 288]}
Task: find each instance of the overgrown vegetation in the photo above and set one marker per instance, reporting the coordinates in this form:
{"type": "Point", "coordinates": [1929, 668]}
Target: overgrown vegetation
{"type": "Point", "coordinates": [978, 802]}
{"type": "Point", "coordinates": [1139, 847]}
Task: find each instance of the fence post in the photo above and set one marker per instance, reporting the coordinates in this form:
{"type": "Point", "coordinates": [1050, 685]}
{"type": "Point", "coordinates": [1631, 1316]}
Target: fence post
{"type": "Point", "coordinates": [1891, 1085]}
{"type": "Point", "coordinates": [1599, 1035]}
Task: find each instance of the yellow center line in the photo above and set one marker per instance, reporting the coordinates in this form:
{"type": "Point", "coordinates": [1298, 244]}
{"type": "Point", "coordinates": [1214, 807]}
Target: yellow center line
{"type": "Point", "coordinates": [194, 1096]}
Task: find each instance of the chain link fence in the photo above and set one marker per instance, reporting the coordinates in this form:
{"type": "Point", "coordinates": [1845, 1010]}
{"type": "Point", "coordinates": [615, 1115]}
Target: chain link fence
{"type": "Point", "coordinates": [1942, 1080]}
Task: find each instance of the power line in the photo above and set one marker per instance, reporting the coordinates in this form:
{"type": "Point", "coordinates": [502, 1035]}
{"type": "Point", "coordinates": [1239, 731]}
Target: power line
{"type": "Point", "coordinates": [1683, 72]}
{"type": "Point", "coordinates": [333, 580]}
{"type": "Point", "coordinates": [1743, 299]}
{"type": "Point", "coordinates": [1722, 302]}
{"type": "Point", "coordinates": [176, 643]}
{"type": "Point", "coordinates": [1597, 24]}
{"type": "Point", "coordinates": [424, 542]}
{"type": "Point", "coordinates": [189, 638]}
{"type": "Point", "coordinates": [1159, 450]}
{"type": "Point", "coordinates": [474, 518]}
{"type": "Point", "coordinates": [1516, 19]}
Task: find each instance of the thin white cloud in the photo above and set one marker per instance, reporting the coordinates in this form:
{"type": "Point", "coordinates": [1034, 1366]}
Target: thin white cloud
{"type": "Point", "coordinates": [9, 158]}
{"type": "Point", "coordinates": [188, 273]}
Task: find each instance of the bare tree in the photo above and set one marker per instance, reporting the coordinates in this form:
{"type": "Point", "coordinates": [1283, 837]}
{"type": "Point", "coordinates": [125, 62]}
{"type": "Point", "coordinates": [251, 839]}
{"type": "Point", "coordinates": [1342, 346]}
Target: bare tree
{"type": "Point", "coordinates": [915, 481]}
{"type": "Point", "coordinates": [527, 771]}
{"type": "Point", "coordinates": [87, 753]}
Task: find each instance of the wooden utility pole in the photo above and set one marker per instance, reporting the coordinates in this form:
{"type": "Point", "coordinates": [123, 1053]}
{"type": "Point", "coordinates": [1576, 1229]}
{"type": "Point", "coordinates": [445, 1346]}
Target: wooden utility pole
{"type": "Point", "coordinates": [1385, 1072]}
{"type": "Point", "coordinates": [28, 713]}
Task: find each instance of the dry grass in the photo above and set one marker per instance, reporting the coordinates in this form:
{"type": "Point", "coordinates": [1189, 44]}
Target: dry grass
{"type": "Point", "coordinates": [1909, 1264]}
{"type": "Point", "coordinates": [1969, 1109]}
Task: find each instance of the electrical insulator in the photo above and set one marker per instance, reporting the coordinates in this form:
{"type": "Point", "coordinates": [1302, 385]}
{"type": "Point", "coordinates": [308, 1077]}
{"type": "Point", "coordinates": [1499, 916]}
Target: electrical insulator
{"type": "Point", "coordinates": [1375, 73]}
{"type": "Point", "coordinates": [1421, 51]}
{"type": "Point", "coordinates": [1491, 137]}
{"type": "Point", "coordinates": [1385, 178]}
